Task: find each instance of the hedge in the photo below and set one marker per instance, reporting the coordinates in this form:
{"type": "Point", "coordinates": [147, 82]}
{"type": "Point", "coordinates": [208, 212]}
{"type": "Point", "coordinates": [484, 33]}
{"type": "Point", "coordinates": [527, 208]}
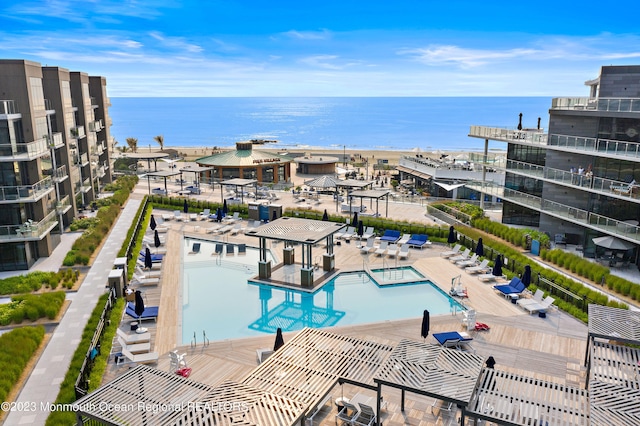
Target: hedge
{"type": "Point", "coordinates": [34, 281]}
{"type": "Point", "coordinates": [31, 307]}
{"type": "Point", "coordinates": [16, 349]}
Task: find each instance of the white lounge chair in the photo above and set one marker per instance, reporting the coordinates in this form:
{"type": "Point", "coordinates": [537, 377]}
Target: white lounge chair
{"type": "Point", "coordinates": [382, 249]}
{"type": "Point", "coordinates": [224, 229]}
{"type": "Point", "coordinates": [368, 232]}
{"type": "Point", "coordinates": [204, 214]}
{"type": "Point", "coordinates": [404, 252]}
{"type": "Point", "coordinates": [349, 231]}
{"type": "Point", "coordinates": [141, 281]}
{"type": "Point", "coordinates": [167, 216]}
{"type": "Point", "coordinates": [539, 306]}
{"type": "Point", "coordinates": [237, 228]}
{"type": "Point", "coordinates": [482, 267]}
{"type": "Point", "coordinates": [146, 274]}
{"type": "Point", "coordinates": [405, 238]}
{"type": "Point", "coordinates": [473, 261]}
{"type": "Point", "coordinates": [393, 250]}
{"type": "Point", "coordinates": [177, 215]}
{"type": "Point", "coordinates": [234, 218]}
{"type": "Point", "coordinates": [155, 266]}
{"type": "Point", "coordinates": [488, 277]}
{"type": "Point", "coordinates": [536, 298]}
{"type": "Point", "coordinates": [464, 256]}
{"type": "Point", "coordinates": [135, 348]}
{"type": "Point", "coordinates": [453, 252]}
{"type": "Point", "coordinates": [131, 339]}
{"type": "Point", "coordinates": [146, 358]}
{"type": "Point", "coordinates": [369, 247]}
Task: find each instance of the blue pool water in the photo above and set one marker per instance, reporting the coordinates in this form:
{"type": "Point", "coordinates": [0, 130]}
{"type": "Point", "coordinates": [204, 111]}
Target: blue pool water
{"type": "Point", "coordinates": [218, 298]}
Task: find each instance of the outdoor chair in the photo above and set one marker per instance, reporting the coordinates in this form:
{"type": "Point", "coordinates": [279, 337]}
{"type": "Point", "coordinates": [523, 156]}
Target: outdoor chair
{"type": "Point", "coordinates": [515, 286]}
{"type": "Point", "coordinates": [204, 214]}
{"type": "Point", "coordinates": [131, 339]}
{"type": "Point", "coordinates": [393, 250]}
{"type": "Point", "coordinates": [390, 236]}
{"type": "Point", "coordinates": [366, 416]}
{"type": "Point", "coordinates": [461, 257]}
{"type": "Point", "coordinates": [405, 238]}
{"type": "Point", "coordinates": [404, 252]}
{"type": "Point", "coordinates": [453, 340]}
{"type": "Point", "coordinates": [534, 307]}
{"type": "Point", "coordinates": [419, 240]}
{"type": "Point", "coordinates": [482, 267]}
{"type": "Point", "coordinates": [382, 249]}
{"type": "Point", "coordinates": [453, 252]}
{"type": "Point", "coordinates": [470, 262]}
{"type": "Point", "coordinates": [369, 247]}
{"type": "Point", "coordinates": [135, 348]}
{"type": "Point", "coordinates": [368, 232]}
{"type": "Point", "coordinates": [536, 298]}
{"type": "Point", "coordinates": [146, 358]}
{"type": "Point", "coordinates": [348, 413]}
{"type": "Point", "coordinates": [149, 313]}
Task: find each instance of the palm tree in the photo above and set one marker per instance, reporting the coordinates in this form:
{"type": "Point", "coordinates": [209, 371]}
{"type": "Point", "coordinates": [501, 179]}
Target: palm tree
{"type": "Point", "coordinates": [133, 144]}
{"type": "Point", "coordinates": [160, 140]}
{"type": "Point", "coordinates": [123, 148]}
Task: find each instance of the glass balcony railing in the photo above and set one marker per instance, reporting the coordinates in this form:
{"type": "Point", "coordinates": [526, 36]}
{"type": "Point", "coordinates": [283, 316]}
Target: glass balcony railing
{"type": "Point", "coordinates": [24, 151]}
{"type": "Point", "coordinates": [95, 126]}
{"type": "Point", "coordinates": [8, 107]}
{"type": "Point", "coordinates": [84, 159]}
{"type": "Point", "coordinates": [597, 104]}
{"type": "Point", "coordinates": [77, 132]}
{"type": "Point", "coordinates": [63, 205]}
{"type": "Point", "coordinates": [58, 141]}
{"type": "Point", "coordinates": [60, 174]}
{"type": "Point", "coordinates": [30, 230]}
{"type": "Point", "coordinates": [26, 193]}
{"type": "Point", "coordinates": [489, 160]}
{"type": "Point", "coordinates": [100, 171]}
{"type": "Point", "coordinates": [591, 220]}
{"type": "Point", "coordinates": [508, 135]}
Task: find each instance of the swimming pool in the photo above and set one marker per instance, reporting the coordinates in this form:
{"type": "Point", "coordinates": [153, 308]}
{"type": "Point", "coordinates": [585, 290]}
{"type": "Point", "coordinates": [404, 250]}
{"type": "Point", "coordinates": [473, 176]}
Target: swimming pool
{"type": "Point", "coordinates": [218, 298]}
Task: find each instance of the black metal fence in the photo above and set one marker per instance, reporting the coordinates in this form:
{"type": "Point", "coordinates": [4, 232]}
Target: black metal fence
{"type": "Point", "coordinates": [136, 227]}
{"type": "Point", "coordinates": [82, 382]}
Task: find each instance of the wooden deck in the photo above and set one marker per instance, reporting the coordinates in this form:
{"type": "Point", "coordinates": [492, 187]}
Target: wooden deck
{"type": "Point", "coordinates": [548, 348]}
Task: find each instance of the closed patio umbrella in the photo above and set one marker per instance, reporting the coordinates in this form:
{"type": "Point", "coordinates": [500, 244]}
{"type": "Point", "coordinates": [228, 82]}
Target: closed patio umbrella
{"type": "Point", "coordinates": [497, 267]}
{"type": "Point", "coordinates": [520, 122]}
{"type": "Point", "coordinates": [152, 223]}
{"type": "Point", "coordinates": [325, 216]}
{"type": "Point", "coordinates": [156, 239]}
{"type": "Point", "coordinates": [526, 276]}
{"type": "Point", "coordinates": [279, 340]}
{"type": "Point", "coordinates": [148, 263]}
{"type": "Point", "coordinates": [360, 229]}
{"type": "Point", "coordinates": [424, 330]}
{"type": "Point", "coordinates": [355, 220]}
{"type": "Point", "coordinates": [225, 209]}
{"type": "Point", "coordinates": [452, 235]}
{"type": "Point", "coordinates": [219, 215]}
{"type": "Point", "coordinates": [139, 306]}
{"type": "Point", "coordinates": [480, 247]}
{"type": "Point", "coordinates": [185, 207]}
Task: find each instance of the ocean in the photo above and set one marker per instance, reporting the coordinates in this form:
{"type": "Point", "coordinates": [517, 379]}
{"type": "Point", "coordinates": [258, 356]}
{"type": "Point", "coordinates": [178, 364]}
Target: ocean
{"type": "Point", "coordinates": [402, 124]}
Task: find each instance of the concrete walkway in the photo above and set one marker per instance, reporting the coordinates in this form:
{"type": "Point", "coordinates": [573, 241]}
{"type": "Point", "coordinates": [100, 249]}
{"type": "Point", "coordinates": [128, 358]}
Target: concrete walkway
{"type": "Point", "coordinates": [43, 384]}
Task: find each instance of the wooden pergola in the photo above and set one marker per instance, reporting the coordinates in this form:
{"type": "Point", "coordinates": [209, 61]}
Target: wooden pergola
{"type": "Point", "coordinates": [161, 174]}
{"type": "Point", "coordinates": [373, 194]}
{"type": "Point", "coordinates": [238, 183]}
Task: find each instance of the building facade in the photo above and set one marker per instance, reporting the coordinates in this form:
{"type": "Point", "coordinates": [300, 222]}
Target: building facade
{"type": "Point", "coordinates": [578, 180]}
{"type": "Point", "coordinates": [54, 155]}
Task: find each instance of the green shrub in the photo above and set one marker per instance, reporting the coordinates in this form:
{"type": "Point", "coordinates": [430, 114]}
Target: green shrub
{"type": "Point", "coordinates": [17, 347]}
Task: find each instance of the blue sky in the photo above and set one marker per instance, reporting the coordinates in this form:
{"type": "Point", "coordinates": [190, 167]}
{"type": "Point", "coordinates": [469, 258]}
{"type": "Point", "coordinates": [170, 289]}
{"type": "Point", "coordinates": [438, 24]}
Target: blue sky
{"type": "Point", "coordinates": [326, 48]}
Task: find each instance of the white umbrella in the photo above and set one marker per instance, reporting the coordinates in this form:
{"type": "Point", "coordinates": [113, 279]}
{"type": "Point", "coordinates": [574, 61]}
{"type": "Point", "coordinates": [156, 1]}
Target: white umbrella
{"type": "Point", "coordinates": [612, 243]}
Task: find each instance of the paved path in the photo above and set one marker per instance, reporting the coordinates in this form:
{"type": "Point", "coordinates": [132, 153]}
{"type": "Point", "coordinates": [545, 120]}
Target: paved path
{"type": "Point", "coordinates": [43, 384]}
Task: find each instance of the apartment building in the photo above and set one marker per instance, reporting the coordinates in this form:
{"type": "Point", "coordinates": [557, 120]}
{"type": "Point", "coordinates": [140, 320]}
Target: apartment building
{"type": "Point", "coordinates": [578, 180]}
{"type": "Point", "coordinates": [54, 155]}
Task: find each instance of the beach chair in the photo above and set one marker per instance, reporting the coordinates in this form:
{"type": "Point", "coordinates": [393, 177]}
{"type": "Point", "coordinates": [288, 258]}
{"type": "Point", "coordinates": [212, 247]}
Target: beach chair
{"type": "Point", "coordinates": [224, 229]}
{"type": "Point", "coordinates": [393, 250]}
{"type": "Point", "coordinates": [368, 232]}
{"type": "Point", "coordinates": [234, 218]}
{"type": "Point", "coordinates": [536, 298]}
{"type": "Point", "coordinates": [131, 339]}
{"type": "Point", "coordinates": [369, 247]}
{"type": "Point", "coordinates": [134, 348]}
{"type": "Point", "coordinates": [454, 340]}
{"type": "Point", "coordinates": [177, 215]}
{"type": "Point", "coordinates": [405, 238]}
{"type": "Point", "coordinates": [472, 261]}
{"type": "Point", "coordinates": [237, 228]}
{"type": "Point", "coordinates": [419, 240]}
{"type": "Point", "coordinates": [154, 267]}
{"type": "Point", "coordinates": [149, 313]}
{"type": "Point", "coordinates": [453, 252]}
{"type": "Point", "coordinates": [146, 358]}
{"type": "Point", "coordinates": [482, 267]}
{"type": "Point", "coordinates": [534, 306]}
{"type": "Point", "coordinates": [167, 216]}
{"type": "Point", "coordinates": [204, 214]}
{"type": "Point", "coordinates": [366, 416]}
{"type": "Point", "coordinates": [464, 256]}
{"type": "Point", "coordinates": [193, 216]}
{"type": "Point", "coordinates": [390, 236]}
{"type": "Point", "coordinates": [404, 252]}
{"type": "Point", "coordinates": [162, 229]}
{"type": "Point", "coordinates": [515, 286]}
{"type": "Point", "coordinates": [382, 249]}
{"type": "Point", "coordinates": [348, 233]}
{"type": "Point", "coordinates": [138, 271]}
{"type": "Point", "coordinates": [347, 413]}
{"type": "Point", "coordinates": [487, 277]}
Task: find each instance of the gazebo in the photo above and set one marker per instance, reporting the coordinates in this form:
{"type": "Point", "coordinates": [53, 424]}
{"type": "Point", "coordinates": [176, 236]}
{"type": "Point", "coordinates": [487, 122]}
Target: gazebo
{"type": "Point", "coordinates": [149, 156]}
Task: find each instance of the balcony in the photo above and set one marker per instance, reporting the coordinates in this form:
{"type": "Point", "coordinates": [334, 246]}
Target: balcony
{"type": "Point", "coordinates": [84, 159]}
{"type": "Point", "coordinates": [8, 107]}
{"type": "Point", "coordinates": [24, 151]}
{"type": "Point", "coordinates": [95, 126]}
{"type": "Point", "coordinates": [77, 132]}
{"type": "Point", "coordinates": [94, 102]}
{"type": "Point", "coordinates": [585, 218]}
{"type": "Point", "coordinates": [63, 205]}
{"type": "Point", "coordinates": [85, 186]}
{"type": "Point", "coordinates": [58, 141]}
{"type": "Point", "coordinates": [26, 193]}
{"type": "Point", "coordinates": [508, 135]}
{"type": "Point", "coordinates": [60, 174]}
{"type": "Point", "coordinates": [100, 172]}
{"type": "Point", "coordinates": [30, 230]}
{"type": "Point", "coordinates": [490, 160]}
{"type": "Point", "coordinates": [599, 104]}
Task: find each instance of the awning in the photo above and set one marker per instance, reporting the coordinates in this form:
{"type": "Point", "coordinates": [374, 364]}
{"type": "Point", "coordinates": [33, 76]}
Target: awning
{"type": "Point", "coordinates": [447, 187]}
{"type": "Point", "coordinates": [415, 173]}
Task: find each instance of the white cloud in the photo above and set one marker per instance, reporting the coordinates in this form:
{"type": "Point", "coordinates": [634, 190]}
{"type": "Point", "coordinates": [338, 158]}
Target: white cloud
{"type": "Point", "coordinates": [177, 43]}
{"type": "Point", "coordinates": [308, 35]}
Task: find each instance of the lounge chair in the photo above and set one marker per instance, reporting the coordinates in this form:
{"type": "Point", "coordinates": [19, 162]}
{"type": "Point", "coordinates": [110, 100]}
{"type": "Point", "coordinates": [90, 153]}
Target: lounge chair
{"type": "Point", "coordinates": [193, 216]}
{"type": "Point", "coordinates": [167, 216]}
{"type": "Point", "coordinates": [162, 229]}
{"type": "Point", "coordinates": [263, 354]}
{"type": "Point", "coordinates": [195, 248]}
{"type": "Point", "coordinates": [515, 286]}
{"type": "Point", "coordinates": [464, 256]}
{"type": "Point", "coordinates": [234, 218]}
{"type": "Point", "coordinates": [369, 247]}
{"type": "Point", "coordinates": [204, 214]}
{"type": "Point", "coordinates": [149, 313]}
{"type": "Point", "coordinates": [533, 307]}
{"type": "Point", "coordinates": [131, 339]}
{"type": "Point", "coordinates": [393, 250]}
{"type": "Point", "coordinates": [453, 339]}
{"type": "Point", "coordinates": [368, 233]}
{"type": "Point", "coordinates": [213, 229]}
{"type": "Point", "coordinates": [419, 240]}
{"type": "Point", "coordinates": [141, 281]}
{"type": "Point", "coordinates": [237, 228]}
{"type": "Point", "coordinates": [473, 261]}
{"type": "Point", "coordinates": [155, 258]}
{"type": "Point", "coordinates": [146, 274]}
{"type": "Point", "coordinates": [135, 348]}
{"type": "Point", "coordinates": [405, 238]}
{"type": "Point", "coordinates": [366, 416]}
{"type": "Point", "coordinates": [390, 236]}
{"type": "Point", "coordinates": [177, 215]}
{"type": "Point", "coordinates": [146, 358]}
{"type": "Point", "coordinates": [404, 252]}
{"type": "Point", "coordinates": [382, 249]}
{"type": "Point", "coordinates": [242, 249]}
{"type": "Point", "coordinates": [348, 412]}
{"type": "Point", "coordinates": [350, 232]}
{"type": "Point", "coordinates": [453, 252]}
{"type": "Point", "coordinates": [488, 277]}
{"type": "Point", "coordinates": [154, 267]}
{"type": "Point", "coordinates": [224, 229]}
{"type": "Point", "coordinates": [482, 267]}
{"type": "Point", "coordinates": [623, 189]}
{"type": "Point", "coordinates": [536, 298]}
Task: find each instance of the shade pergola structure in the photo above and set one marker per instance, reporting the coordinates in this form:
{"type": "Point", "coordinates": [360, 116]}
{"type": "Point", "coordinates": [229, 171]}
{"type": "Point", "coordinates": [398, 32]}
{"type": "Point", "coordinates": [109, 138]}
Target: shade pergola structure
{"type": "Point", "coordinates": [373, 194]}
{"type": "Point", "coordinates": [308, 366]}
{"type": "Point", "coordinates": [351, 185]}
{"type": "Point", "coordinates": [148, 396]}
{"type": "Point", "coordinates": [198, 170]}
{"type": "Point", "coordinates": [323, 182]}
{"type": "Point", "coordinates": [506, 398]}
{"type": "Point", "coordinates": [161, 174]}
{"type": "Point", "coordinates": [307, 233]}
{"type": "Point", "coordinates": [149, 156]}
{"type": "Point", "coordinates": [432, 370]}
{"type": "Point", "coordinates": [238, 183]}
{"type": "Point", "coordinates": [295, 315]}
{"type": "Point", "coordinates": [609, 323]}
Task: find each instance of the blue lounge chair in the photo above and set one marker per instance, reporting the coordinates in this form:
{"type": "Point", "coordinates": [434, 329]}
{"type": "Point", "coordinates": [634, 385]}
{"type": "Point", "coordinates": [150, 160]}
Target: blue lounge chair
{"type": "Point", "coordinates": [390, 236]}
{"type": "Point", "coordinates": [515, 286]}
{"type": "Point", "coordinates": [155, 258]}
{"type": "Point", "coordinates": [418, 240]}
{"type": "Point", "coordinates": [150, 312]}
{"type": "Point", "coordinates": [452, 339]}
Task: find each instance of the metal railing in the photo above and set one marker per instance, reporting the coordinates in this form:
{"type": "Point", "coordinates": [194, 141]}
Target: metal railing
{"type": "Point", "coordinates": [26, 193]}
{"type": "Point", "coordinates": [599, 104]}
{"type": "Point", "coordinates": [24, 151]}
{"type": "Point", "coordinates": [63, 205]}
{"type": "Point", "coordinates": [60, 173]}
{"type": "Point", "coordinates": [30, 230]}
{"type": "Point", "coordinates": [8, 107]}
{"type": "Point", "coordinates": [508, 135]}
{"type": "Point", "coordinates": [78, 132]}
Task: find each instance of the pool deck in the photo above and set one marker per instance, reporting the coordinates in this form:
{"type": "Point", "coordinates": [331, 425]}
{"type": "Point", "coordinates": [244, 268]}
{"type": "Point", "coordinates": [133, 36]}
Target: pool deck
{"type": "Point", "coordinates": [548, 348]}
